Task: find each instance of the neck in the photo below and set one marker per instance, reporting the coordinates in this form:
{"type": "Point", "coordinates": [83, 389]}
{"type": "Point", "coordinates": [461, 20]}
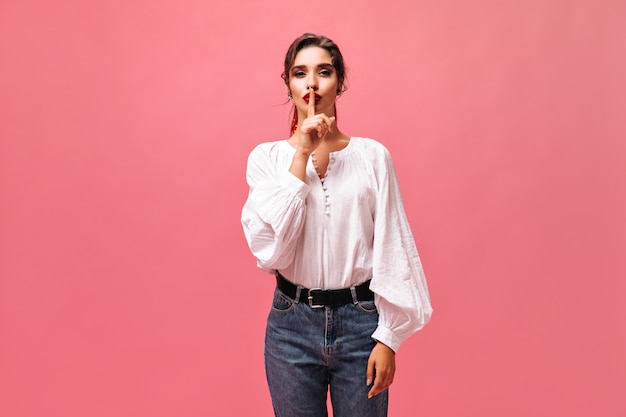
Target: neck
{"type": "Point", "coordinates": [334, 139]}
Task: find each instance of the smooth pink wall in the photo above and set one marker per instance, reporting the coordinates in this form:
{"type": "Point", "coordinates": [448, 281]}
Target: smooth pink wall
{"type": "Point", "coordinates": [126, 287]}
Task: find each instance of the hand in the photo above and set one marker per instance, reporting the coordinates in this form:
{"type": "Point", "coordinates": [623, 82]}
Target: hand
{"type": "Point", "coordinates": [381, 367]}
{"type": "Point", "coordinates": [315, 127]}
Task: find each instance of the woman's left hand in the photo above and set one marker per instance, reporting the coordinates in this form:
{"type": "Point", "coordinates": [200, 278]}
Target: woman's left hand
{"type": "Point", "coordinates": [381, 367]}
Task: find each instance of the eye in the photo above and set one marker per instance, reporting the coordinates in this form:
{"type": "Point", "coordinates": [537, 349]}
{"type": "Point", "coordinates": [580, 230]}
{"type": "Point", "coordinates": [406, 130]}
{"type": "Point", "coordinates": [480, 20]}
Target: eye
{"type": "Point", "coordinates": [325, 73]}
{"type": "Point", "coordinates": [298, 74]}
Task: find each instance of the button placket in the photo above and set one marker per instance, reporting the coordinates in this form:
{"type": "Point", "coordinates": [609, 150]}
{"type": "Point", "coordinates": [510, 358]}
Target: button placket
{"type": "Point", "coordinates": [322, 178]}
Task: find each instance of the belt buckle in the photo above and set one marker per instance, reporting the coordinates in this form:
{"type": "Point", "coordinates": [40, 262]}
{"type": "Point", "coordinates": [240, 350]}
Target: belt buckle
{"type": "Point", "coordinates": [310, 298]}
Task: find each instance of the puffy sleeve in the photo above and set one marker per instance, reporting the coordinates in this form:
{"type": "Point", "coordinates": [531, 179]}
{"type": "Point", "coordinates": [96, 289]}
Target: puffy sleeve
{"type": "Point", "coordinates": [274, 212]}
{"type": "Point", "coordinates": [398, 278]}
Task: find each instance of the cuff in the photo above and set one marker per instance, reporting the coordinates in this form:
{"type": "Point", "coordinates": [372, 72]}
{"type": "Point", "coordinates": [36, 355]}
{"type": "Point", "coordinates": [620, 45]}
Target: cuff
{"type": "Point", "coordinates": [387, 337]}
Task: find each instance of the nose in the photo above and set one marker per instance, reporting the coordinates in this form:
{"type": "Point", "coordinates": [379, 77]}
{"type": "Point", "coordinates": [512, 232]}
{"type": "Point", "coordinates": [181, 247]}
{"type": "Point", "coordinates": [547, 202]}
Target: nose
{"type": "Point", "coordinates": [311, 82]}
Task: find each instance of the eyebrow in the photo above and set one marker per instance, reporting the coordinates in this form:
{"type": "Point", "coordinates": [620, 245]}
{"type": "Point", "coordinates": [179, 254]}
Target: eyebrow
{"type": "Point", "coordinates": [323, 65]}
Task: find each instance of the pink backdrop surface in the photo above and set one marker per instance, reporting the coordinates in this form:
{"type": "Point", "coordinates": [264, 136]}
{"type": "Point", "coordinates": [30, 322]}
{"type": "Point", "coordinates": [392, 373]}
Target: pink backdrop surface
{"type": "Point", "coordinates": [126, 286]}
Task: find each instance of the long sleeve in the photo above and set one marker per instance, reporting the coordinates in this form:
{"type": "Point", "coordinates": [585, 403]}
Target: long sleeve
{"type": "Point", "coordinates": [275, 209]}
{"type": "Point", "coordinates": [339, 233]}
{"type": "Point", "coordinates": [397, 277]}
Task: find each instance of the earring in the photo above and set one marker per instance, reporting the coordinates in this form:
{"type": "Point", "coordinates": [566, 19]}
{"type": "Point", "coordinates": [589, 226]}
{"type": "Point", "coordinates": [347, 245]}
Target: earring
{"type": "Point", "coordinates": [289, 96]}
{"type": "Point", "coordinates": [339, 92]}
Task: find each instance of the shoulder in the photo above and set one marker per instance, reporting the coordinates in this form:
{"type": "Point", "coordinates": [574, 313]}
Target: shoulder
{"type": "Point", "coordinates": [267, 149]}
{"type": "Point", "coordinates": [373, 148]}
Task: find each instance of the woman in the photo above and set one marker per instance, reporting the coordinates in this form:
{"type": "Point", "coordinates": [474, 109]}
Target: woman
{"type": "Point", "coordinates": [324, 215]}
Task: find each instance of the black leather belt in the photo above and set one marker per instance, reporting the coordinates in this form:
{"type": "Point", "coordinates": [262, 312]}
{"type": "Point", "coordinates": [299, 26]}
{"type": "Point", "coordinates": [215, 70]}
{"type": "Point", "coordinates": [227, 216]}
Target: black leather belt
{"type": "Point", "coordinates": [318, 298]}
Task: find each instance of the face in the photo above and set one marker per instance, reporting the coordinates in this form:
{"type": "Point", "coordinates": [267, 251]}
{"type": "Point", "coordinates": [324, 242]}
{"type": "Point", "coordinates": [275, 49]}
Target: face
{"type": "Point", "coordinates": [313, 67]}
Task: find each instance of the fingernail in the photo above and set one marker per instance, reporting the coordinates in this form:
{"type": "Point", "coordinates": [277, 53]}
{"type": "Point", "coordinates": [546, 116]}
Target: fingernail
{"type": "Point", "coordinates": [369, 381]}
{"type": "Point", "coordinates": [369, 396]}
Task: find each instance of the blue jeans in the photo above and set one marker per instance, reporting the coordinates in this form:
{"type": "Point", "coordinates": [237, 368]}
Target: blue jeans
{"type": "Point", "coordinates": [309, 349]}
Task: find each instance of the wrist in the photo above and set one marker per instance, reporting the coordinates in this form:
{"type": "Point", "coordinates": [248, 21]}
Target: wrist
{"type": "Point", "coordinates": [381, 344]}
{"type": "Point", "coordinates": [302, 153]}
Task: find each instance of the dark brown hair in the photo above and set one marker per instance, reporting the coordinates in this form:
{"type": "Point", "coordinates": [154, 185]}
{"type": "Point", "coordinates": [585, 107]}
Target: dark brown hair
{"type": "Point", "coordinates": [304, 41]}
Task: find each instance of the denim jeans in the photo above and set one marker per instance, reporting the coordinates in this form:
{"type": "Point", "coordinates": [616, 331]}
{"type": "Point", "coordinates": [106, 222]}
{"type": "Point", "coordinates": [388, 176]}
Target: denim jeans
{"type": "Point", "coordinates": [308, 350]}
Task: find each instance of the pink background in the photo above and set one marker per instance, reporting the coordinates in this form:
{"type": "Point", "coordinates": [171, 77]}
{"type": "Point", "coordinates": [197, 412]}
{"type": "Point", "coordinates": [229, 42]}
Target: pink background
{"type": "Point", "coordinates": [127, 289]}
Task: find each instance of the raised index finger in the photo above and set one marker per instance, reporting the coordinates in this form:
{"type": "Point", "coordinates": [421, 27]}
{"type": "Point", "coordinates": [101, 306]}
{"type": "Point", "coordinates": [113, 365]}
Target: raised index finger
{"type": "Point", "coordinates": [311, 108]}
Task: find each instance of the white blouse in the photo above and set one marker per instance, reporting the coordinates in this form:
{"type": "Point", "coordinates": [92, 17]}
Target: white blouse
{"type": "Point", "coordinates": [340, 232]}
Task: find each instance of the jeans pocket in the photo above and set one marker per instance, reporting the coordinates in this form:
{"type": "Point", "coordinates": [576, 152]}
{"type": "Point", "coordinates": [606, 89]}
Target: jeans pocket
{"type": "Point", "coordinates": [281, 303]}
{"type": "Point", "coordinates": [367, 306]}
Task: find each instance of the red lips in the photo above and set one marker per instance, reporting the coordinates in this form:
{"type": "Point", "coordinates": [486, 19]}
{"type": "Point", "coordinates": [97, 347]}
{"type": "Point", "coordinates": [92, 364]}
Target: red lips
{"type": "Point", "coordinates": [317, 97]}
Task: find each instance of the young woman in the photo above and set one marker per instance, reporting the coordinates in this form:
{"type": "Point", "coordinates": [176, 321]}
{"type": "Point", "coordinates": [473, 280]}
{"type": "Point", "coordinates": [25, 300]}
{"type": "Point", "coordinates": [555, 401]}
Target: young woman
{"type": "Point", "coordinates": [325, 216]}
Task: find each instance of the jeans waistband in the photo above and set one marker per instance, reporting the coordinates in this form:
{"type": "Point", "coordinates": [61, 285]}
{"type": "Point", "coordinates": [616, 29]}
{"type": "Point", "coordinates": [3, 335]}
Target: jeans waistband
{"type": "Point", "coordinates": [318, 298]}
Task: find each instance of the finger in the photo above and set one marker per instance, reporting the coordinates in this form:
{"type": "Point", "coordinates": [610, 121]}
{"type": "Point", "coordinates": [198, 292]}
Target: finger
{"type": "Point", "coordinates": [381, 383]}
{"type": "Point", "coordinates": [324, 124]}
{"type": "Point", "coordinates": [377, 388]}
{"type": "Point", "coordinates": [325, 119]}
{"type": "Point", "coordinates": [328, 122]}
{"type": "Point", "coordinates": [370, 373]}
{"type": "Point", "coordinates": [311, 108]}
